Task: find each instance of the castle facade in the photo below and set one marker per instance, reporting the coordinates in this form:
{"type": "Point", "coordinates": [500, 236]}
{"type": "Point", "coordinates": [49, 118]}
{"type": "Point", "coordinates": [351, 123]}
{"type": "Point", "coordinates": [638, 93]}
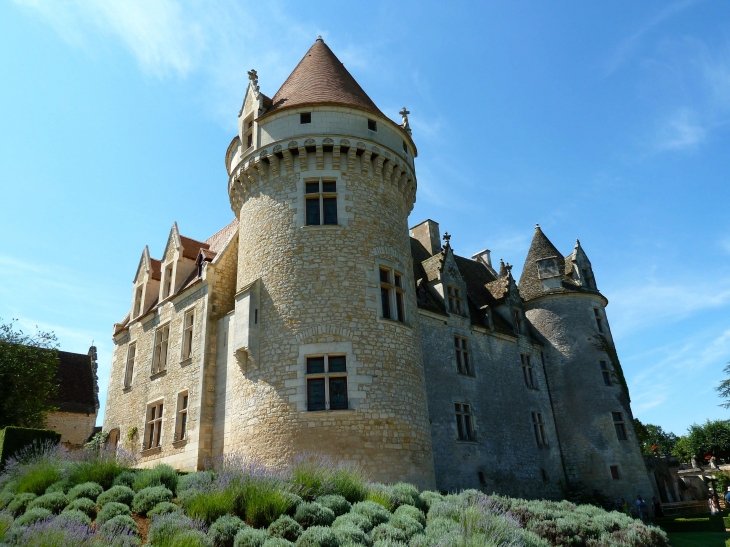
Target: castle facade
{"type": "Point", "coordinates": [316, 321]}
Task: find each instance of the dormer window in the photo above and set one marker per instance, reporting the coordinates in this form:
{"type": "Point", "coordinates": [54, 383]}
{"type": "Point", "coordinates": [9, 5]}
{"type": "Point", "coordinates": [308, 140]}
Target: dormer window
{"type": "Point", "coordinates": [586, 276]}
{"type": "Point", "coordinates": [405, 147]}
{"type": "Point", "coordinates": [168, 282]}
{"type": "Point", "coordinates": [519, 323]}
{"type": "Point", "coordinates": [549, 273]}
{"type": "Point", "coordinates": [137, 302]}
{"type": "Point", "coordinates": [248, 132]}
{"type": "Point", "coordinates": [305, 117]}
{"type": "Point", "coordinates": [454, 295]}
{"type": "Point", "coordinates": [372, 125]}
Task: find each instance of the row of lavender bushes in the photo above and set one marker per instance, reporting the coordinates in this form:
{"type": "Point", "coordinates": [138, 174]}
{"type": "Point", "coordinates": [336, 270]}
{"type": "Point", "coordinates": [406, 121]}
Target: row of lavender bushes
{"type": "Point", "coordinates": [54, 498]}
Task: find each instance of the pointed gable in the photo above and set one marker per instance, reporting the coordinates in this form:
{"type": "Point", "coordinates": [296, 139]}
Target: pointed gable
{"type": "Point", "coordinates": [544, 269]}
{"type": "Point", "coordinates": [320, 78]}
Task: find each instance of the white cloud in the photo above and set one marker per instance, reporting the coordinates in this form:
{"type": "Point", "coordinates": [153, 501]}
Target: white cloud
{"type": "Point", "coordinates": [682, 130]}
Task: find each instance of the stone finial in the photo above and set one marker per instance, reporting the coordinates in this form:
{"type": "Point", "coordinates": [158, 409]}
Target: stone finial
{"type": "Point", "coordinates": [447, 239]}
{"type": "Point", "coordinates": [404, 124]}
{"type": "Point", "coordinates": [254, 79]}
{"type": "Point", "coordinates": [319, 38]}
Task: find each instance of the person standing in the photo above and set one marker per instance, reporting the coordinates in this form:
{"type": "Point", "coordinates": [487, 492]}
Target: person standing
{"type": "Point", "coordinates": [727, 497]}
{"type": "Point", "coordinates": [626, 509]}
{"type": "Point", "coordinates": [657, 507]}
{"type": "Point", "coordinates": [641, 508]}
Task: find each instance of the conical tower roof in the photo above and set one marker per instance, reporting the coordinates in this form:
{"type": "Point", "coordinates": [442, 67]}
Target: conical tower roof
{"type": "Point", "coordinates": [540, 248]}
{"type": "Point", "coordinates": [320, 78]}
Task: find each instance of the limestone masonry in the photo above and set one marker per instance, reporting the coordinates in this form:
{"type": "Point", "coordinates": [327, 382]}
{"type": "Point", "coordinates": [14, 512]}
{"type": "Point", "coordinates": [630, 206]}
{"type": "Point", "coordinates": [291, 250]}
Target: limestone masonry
{"type": "Point", "coordinates": [317, 322]}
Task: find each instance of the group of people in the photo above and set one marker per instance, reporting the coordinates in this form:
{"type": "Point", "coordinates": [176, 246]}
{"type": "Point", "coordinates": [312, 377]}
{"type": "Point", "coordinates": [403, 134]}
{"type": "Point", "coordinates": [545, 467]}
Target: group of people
{"type": "Point", "coordinates": [642, 509]}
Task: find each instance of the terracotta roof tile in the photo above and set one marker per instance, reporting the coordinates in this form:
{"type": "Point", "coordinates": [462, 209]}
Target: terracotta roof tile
{"type": "Point", "coordinates": [156, 267]}
{"type": "Point", "coordinates": [220, 238]}
{"type": "Point", "coordinates": [191, 247]}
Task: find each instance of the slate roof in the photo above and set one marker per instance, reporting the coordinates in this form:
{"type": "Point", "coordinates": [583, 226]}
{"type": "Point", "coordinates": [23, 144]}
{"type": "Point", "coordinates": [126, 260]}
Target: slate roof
{"type": "Point", "coordinates": [320, 78]}
{"type": "Point", "coordinates": [77, 383]}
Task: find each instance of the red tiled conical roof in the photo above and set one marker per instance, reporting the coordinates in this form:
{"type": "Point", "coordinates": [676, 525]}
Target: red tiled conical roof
{"type": "Point", "coordinates": [320, 78]}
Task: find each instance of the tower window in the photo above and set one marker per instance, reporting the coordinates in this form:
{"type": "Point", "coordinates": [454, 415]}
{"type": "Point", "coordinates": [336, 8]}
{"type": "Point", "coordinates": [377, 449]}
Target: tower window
{"type": "Point", "coordinates": [168, 282]}
{"type": "Point", "coordinates": [392, 294]}
{"type": "Point", "coordinates": [587, 281]}
{"type": "Point", "coordinates": [619, 425]}
{"type": "Point", "coordinates": [538, 425]}
{"type": "Point", "coordinates": [372, 125]}
{"type": "Point", "coordinates": [464, 422]}
{"type": "Point", "coordinates": [482, 480]}
{"type": "Point", "coordinates": [305, 117]}
{"type": "Point", "coordinates": [181, 422]}
{"type": "Point", "coordinates": [527, 371]}
{"type": "Point", "coordinates": [321, 202]}
{"type": "Point", "coordinates": [544, 475]}
{"type": "Point", "coordinates": [248, 133]}
{"type": "Point", "coordinates": [137, 302]}
{"type": "Point", "coordinates": [405, 147]}
{"type": "Point", "coordinates": [454, 294]}
{"type": "Point", "coordinates": [547, 268]}
{"type": "Point", "coordinates": [463, 361]}
{"type": "Point", "coordinates": [519, 323]}
{"type": "Point", "coordinates": [159, 358]}
{"type": "Point", "coordinates": [615, 475]}
{"type": "Point", "coordinates": [129, 369]}
{"type": "Point", "coordinates": [599, 319]}
{"type": "Point", "coordinates": [187, 346]}
{"type": "Point", "coordinates": [605, 373]}
{"type": "Point", "coordinates": [153, 429]}
{"type": "Point", "coordinates": [327, 383]}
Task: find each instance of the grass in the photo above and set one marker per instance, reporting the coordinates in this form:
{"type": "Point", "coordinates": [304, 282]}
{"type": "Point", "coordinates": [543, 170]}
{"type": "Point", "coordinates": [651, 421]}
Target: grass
{"type": "Point", "coordinates": [699, 539]}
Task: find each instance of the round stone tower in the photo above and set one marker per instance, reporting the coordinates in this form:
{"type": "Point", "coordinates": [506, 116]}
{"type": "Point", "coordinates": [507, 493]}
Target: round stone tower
{"type": "Point", "coordinates": [328, 358]}
{"type": "Point", "coordinates": [588, 390]}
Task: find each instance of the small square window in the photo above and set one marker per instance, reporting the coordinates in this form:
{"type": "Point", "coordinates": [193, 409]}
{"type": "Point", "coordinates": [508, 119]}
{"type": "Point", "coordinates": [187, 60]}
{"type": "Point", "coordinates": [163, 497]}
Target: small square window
{"type": "Point", "coordinates": [337, 363]}
{"type": "Point", "coordinates": [372, 126]}
{"type": "Point", "coordinates": [305, 117]}
{"type": "Point", "coordinates": [619, 425]}
{"type": "Point", "coordinates": [329, 186]}
{"type": "Point", "coordinates": [312, 188]}
{"type": "Point", "coordinates": [315, 365]}
{"type": "Point", "coordinates": [615, 475]}
{"type": "Point", "coordinates": [605, 373]}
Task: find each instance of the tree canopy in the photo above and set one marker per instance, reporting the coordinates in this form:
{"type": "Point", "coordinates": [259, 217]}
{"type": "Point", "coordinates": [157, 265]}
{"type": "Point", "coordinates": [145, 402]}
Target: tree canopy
{"type": "Point", "coordinates": [709, 439]}
{"type": "Point", "coordinates": [724, 388]}
{"type": "Point", "coordinates": [28, 381]}
{"type": "Point", "coordinates": [653, 439]}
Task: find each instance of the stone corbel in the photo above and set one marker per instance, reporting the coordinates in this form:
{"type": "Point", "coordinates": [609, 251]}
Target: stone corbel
{"type": "Point", "coordinates": [261, 167]}
{"type": "Point", "coordinates": [288, 161]}
{"type": "Point", "coordinates": [379, 165]}
{"type": "Point", "coordinates": [366, 161]}
{"type": "Point", "coordinates": [351, 157]}
{"type": "Point", "coordinates": [336, 157]}
{"type": "Point", "coordinates": [388, 171]}
{"type": "Point", "coordinates": [274, 165]}
{"type": "Point", "coordinates": [303, 160]}
{"type": "Point", "coordinates": [320, 157]}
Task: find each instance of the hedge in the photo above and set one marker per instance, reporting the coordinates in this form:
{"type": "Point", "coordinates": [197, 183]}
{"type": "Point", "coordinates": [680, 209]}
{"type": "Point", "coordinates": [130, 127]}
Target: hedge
{"type": "Point", "coordinates": [713, 523]}
{"type": "Point", "coordinates": [14, 439]}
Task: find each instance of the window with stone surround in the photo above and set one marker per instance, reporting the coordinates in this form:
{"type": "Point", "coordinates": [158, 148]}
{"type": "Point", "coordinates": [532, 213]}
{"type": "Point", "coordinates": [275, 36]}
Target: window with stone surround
{"type": "Point", "coordinates": [181, 419]}
{"type": "Point", "coordinates": [187, 339]}
{"type": "Point", "coordinates": [305, 117]}
{"type": "Point", "coordinates": [615, 472]}
{"type": "Point", "coordinates": [159, 355]}
{"type": "Point", "coordinates": [464, 422]}
{"type": "Point", "coordinates": [153, 426]}
{"type": "Point", "coordinates": [372, 125]}
{"type": "Point", "coordinates": [538, 424]}
{"type": "Point", "coordinates": [455, 303]}
{"type": "Point", "coordinates": [606, 373]}
{"type": "Point", "coordinates": [321, 202]}
{"type": "Point", "coordinates": [168, 283]}
{"type": "Point", "coordinates": [248, 131]}
{"type": "Point", "coordinates": [619, 425]}
{"type": "Point", "coordinates": [392, 294]}
{"type": "Point", "coordinates": [528, 371]}
{"type": "Point", "coordinates": [599, 319]}
{"type": "Point", "coordinates": [519, 322]}
{"type": "Point", "coordinates": [129, 368]}
{"type": "Point", "coordinates": [327, 382]}
{"type": "Point", "coordinates": [463, 356]}
{"type": "Point", "coordinates": [137, 302]}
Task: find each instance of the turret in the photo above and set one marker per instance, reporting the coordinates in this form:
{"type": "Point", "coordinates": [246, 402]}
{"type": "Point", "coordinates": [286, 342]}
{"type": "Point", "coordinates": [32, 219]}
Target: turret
{"type": "Point", "coordinates": [589, 393]}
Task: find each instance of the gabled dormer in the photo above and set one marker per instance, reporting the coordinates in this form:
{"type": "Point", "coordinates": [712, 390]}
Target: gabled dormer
{"type": "Point", "coordinates": [179, 262]}
{"type": "Point", "coordinates": [444, 279]}
{"type": "Point", "coordinates": [509, 301]}
{"type": "Point", "coordinates": [146, 285]}
{"type": "Point", "coordinates": [579, 268]}
{"type": "Point", "coordinates": [254, 105]}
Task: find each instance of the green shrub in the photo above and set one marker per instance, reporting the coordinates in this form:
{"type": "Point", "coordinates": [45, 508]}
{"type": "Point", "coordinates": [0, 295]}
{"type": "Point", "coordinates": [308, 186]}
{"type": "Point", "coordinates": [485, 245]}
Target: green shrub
{"type": "Point", "coordinates": [15, 440]}
{"type": "Point", "coordinates": [6, 521]}
{"type": "Point", "coordinates": [201, 480]}
{"type": "Point", "coordinates": [54, 502]}
{"type": "Point", "coordinates": [208, 506]}
{"type": "Point", "coordinates": [395, 543]}
{"type": "Point", "coordinates": [223, 531]}
{"type": "Point", "coordinates": [262, 502]}
{"type": "Point", "coordinates": [120, 521]}
{"type": "Point", "coordinates": [351, 535]}
{"type": "Point", "coordinates": [6, 496]}
{"type": "Point", "coordinates": [90, 490]}
{"type": "Point", "coordinates": [349, 482]}
{"type": "Point", "coordinates": [163, 508]}
{"type": "Point", "coordinates": [250, 537]}
{"type": "Point", "coordinates": [388, 531]}
{"type": "Point", "coordinates": [429, 497]}
{"type": "Point", "coordinates": [20, 503]}
{"type": "Point", "coordinates": [36, 476]}
{"type": "Point", "coordinates": [382, 495]}
{"type": "Point", "coordinates": [407, 524]}
{"type": "Point", "coordinates": [147, 498]}
{"type": "Point", "coordinates": [118, 493]}
{"type": "Point", "coordinates": [125, 478]}
{"type": "Point", "coordinates": [313, 514]}
{"type": "Point", "coordinates": [31, 516]}
{"type": "Point", "coordinates": [412, 512]}
{"type": "Point", "coordinates": [74, 515]}
{"type": "Point", "coordinates": [277, 542]}
{"type": "Point", "coordinates": [85, 505]}
{"type": "Point", "coordinates": [160, 475]}
{"type": "Point", "coordinates": [64, 485]}
{"type": "Point", "coordinates": [373, 511]}
{"type": "Point", "coordinates": [190, 538]}
{"type": "Point", "coordinates": [111, 510]}
{"type": "Point", "coordinates": [165, 529]}
{"type": "Point", "coordinates": [354, 519]}
{"type": "Point", "coordinates": [315, 476]}
{"type": "Point", "coordinates": [101, 467]}
{"type": "Point", "coordinates": [337, 503]}
{"type": "Point", "coordinates": [317, 536]}
{"type": "Point", "coordinates": [404, 493]}
{"type": "Point", "coordinates": [285, 527]}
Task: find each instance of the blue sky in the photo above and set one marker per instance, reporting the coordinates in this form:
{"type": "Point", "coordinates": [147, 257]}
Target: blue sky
{"type": "Point", "coordinates": [606, 121]}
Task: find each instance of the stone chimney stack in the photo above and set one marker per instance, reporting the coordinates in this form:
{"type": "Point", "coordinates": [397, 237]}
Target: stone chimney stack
{"type": "Point", "coordinates": [428, 234]}
{"type": "Point", "coordinates": [485, 257]}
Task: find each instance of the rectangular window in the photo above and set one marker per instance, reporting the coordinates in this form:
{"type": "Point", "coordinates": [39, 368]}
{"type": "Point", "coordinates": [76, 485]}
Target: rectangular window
{"type": "Point", "coordinates": [605, 373]}
{"type": "Point", "coordinates": [619, 425]}
{"type": "Point", "coordinates": [615, 475]}
{"type": "Point", "coordinates": [327, 382]}
{"type": "Point", "coordinates": [181, 423]}
{"type": "Point", "coordinates": [527, 371]}
{"type": "Point", "coordinates": [372, 125]}
{"type": "Point", "coordinates": [249, 140]}
{"type": "Point", "coordinates": [464, 423]}
{"type": "Point", "coordinates": [405, 147]}
{"type": "Point", "coordinates": [321, 203]}
{"type": "Point", "coordinates": [463, 361]}
{"type": "Point", "coordinates": [392, 295]}
{"type": "Point", "coordinates": [454, 294]}
{"type": "Point", "coordinates": [153, 429]}
{"type": "Point", "coordinates": [547, 268]}
{"type": "Point", "coordinates": [159, 359]}
{"type": "Point", "coordinates": [305, 117]}
{"type": "Point", "coordinates": [517, 315]}
{"type": "Point", "coordinates": [129, 369]}
{"type": "Point", "coordinates": [187, 346]}
{"type": "Point", "coordinates": [137, 302]}
{"type": "Point", "coordinates": [586, 278]}
{"type": "Point", "coordinates": [599, 319]}
{"type": "Point", "coordinates": [539, 426]}
{"type": "Point", "coordinates": [168, 282]}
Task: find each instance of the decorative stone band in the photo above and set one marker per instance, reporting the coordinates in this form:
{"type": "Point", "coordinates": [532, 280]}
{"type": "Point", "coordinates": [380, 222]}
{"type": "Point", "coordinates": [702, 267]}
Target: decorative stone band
{"type": "Point", "coordinates": [282, 158]}
{"type": "Point", "coordinates": [324, 329]}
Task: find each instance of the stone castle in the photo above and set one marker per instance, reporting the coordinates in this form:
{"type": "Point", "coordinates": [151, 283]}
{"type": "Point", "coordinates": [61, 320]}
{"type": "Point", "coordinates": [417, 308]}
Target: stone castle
{"type": "Point", "coordinates": [316, 321]}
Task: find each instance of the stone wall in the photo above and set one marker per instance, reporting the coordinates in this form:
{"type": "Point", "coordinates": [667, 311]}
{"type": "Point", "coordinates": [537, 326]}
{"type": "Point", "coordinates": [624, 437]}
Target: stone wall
{"type": "Point", "coordinates": [75, 427]}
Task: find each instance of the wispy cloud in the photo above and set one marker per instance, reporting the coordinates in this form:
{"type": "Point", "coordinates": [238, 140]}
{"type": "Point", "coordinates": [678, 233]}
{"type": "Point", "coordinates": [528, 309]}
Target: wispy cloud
{"type": "Point", "coordinates": [682, 130]}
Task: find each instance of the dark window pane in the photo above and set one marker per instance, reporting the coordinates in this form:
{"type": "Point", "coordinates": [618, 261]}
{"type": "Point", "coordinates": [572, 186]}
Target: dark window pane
{"type": "Point", "coordinates": [458, 362]}
{"type": "Point", "coordinates": [372, 125]}
{"type": "Point", "coordinates": [329, 186]}
{"type": "Point", "coordinates": [384, 278]}
{"type": "Point", "coordinates": [460, 426]}
{"type": "Point", "coordinates": [337, 364]}
{"type": "Point", "coordinates": [312, 188]}
{"type": "Point", "coordinates": [315, 394]}
{"type": "Point", "coordinates": [469, 432]}
{"type": "Point", "coordinates": [614, 472]}
{"type": "Point", "coordinates": [305, 118]}
{"type": "Point", "coordinates": [398, 280]}
{"type": "Point", "coordinates": [330, 210]}
{"type": "Point", "coordinates": [617, 417]}
{"type": "Point", "coordinates": [313, 212]}
{"type": "Point", "coordinates": [315, 365]}
{"type": "Point", "coordinates": [399, 306]}
{"type": "Point", "coordinates": [456, 342]}
{"type": "Point", "coordinates": [466, 363]}
{"type": "Point", "coordinates": [338, 393]}
{"type": "Point", "coordinates": [606, 378]}
{"type": "Point", "coordinates": [620, 432]}
{"type": "Point", "coordinates": [385, 299]}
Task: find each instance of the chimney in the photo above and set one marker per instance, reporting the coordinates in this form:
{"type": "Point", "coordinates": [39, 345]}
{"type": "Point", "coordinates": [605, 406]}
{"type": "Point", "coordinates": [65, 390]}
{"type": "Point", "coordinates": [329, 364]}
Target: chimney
{"type": "Point", "coordinates": [485, 257]}
{"type": "Point", "coordinates": [427, 233]}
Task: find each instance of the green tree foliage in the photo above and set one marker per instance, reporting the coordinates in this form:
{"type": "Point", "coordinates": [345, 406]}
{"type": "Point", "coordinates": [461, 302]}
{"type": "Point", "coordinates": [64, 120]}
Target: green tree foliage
{"type": "Point", "coordinates": [709, 439]}
{"type": "Point", "coordinates": [651, 435]}
{"type": "Point", "coordinates": [724, 388]}
{"type": "Point", "coordinates": [28, 383]}
{"type": "Point", "coordinates": [682, 450]}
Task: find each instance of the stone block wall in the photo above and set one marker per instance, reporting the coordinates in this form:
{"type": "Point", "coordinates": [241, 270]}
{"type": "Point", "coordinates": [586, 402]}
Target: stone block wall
{"type": "Point", "coordinates": [75, 427]}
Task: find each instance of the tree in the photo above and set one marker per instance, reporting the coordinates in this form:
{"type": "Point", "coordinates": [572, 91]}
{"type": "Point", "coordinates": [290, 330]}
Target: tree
{"type": "Point", "coordinates": [653, 437]}
{"type": "Point", "coordinates": [724, 388]}
{"type": "Point", "coordinates": [28, 382]}
{"type": "Point", "coordinates": [682, 450]}
{"type": "Point", "coordinates": [709, 439]}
